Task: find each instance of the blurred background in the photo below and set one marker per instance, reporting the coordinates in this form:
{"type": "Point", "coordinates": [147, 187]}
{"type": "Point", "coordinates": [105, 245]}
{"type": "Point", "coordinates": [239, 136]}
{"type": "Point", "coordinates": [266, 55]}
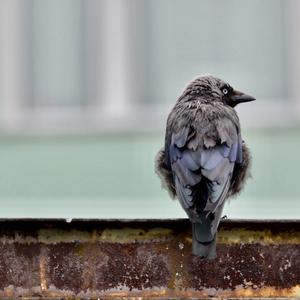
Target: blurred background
{"type": "Point", "coordinates": [86, 86]}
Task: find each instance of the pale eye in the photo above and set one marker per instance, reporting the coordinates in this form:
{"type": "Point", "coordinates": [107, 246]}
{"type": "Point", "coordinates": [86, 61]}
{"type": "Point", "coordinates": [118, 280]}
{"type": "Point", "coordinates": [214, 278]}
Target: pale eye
{"type": "Point", "coordinates": [225, 91]}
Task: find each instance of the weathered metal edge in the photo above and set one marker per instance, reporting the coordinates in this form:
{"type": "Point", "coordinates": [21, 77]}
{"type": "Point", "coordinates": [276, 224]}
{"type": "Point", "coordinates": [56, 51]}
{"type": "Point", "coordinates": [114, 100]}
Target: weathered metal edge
{"type": "Point", "coordinates": [125, 220]}
{"type": "Point", "coordinates": [166, 245]}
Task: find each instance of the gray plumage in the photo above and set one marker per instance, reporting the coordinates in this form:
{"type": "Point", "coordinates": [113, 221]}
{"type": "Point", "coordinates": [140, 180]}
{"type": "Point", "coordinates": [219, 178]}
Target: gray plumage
{"type": "Point", "coordinates": [204, 160]}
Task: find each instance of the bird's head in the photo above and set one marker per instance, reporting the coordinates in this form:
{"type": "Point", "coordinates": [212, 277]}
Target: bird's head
{"type": "Point", "coordinates": [210, 88]}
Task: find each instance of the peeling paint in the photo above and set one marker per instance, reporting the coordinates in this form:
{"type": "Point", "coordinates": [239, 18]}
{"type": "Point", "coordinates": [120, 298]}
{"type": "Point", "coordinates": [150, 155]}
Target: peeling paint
{"type": "Point", "coordinates": [127, 235]}
{"type": "Point", "coordinates": [241, 235]}
{"type": "Point", "coordinates": [124, 235]}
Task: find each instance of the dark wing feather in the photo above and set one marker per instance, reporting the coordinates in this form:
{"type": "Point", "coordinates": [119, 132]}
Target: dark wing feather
{"type": "Point", "coordinates": [202, 175]}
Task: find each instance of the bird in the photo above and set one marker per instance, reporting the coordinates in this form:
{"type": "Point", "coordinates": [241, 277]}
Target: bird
{"type": "Point", "coordinates": [204, 160]}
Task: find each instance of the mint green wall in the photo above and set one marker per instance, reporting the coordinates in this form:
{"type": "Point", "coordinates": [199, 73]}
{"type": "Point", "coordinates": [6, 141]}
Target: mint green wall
{"type": "Point", "coordinates": [112, 176]}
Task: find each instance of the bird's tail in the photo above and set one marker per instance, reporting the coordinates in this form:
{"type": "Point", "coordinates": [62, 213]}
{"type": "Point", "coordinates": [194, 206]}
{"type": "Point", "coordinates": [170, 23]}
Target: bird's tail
{"type": "Point", "coordinates": [204, 242]}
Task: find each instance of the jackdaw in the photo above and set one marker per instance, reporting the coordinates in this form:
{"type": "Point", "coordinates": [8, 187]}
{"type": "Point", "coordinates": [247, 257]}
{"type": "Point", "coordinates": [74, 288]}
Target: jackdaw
{"type": "Point", "coordinates": [204, 160]}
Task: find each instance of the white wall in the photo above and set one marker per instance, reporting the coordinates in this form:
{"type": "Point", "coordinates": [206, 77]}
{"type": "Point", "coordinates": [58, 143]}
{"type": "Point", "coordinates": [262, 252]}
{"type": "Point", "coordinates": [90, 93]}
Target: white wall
{"type": "Point", "coordinates": [113, 65]}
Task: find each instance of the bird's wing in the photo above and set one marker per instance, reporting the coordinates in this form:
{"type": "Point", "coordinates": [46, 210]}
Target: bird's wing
{"type": "Point", "coordinates": [202, 167]}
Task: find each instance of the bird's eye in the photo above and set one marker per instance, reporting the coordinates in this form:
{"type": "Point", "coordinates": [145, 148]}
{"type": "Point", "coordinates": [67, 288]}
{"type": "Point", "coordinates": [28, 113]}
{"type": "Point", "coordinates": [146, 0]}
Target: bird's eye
{"type": "Point", "coordinates": [225, 91]}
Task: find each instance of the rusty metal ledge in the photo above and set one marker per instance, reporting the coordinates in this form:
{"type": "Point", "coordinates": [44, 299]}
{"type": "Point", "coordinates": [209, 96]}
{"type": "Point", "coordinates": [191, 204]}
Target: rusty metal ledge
{"type": "Point", "coordinates": [147, 258]}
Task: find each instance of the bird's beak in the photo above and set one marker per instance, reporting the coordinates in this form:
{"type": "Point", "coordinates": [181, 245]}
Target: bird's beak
{"type": "Point", "coordinates": [239, 97]}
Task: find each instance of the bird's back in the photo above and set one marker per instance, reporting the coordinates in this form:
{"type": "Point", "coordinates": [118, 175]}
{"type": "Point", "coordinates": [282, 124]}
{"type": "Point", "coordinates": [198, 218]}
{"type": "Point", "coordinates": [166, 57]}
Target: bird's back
{"type": "Point", "coordinates": [202, 147]}
{"type": "Point", "coordinates": [204, 160]}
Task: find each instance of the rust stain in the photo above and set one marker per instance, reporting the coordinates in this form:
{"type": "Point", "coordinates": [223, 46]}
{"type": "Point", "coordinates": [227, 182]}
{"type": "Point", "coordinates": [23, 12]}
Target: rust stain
{"type": "Point", "coordinates": [42, 271]}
